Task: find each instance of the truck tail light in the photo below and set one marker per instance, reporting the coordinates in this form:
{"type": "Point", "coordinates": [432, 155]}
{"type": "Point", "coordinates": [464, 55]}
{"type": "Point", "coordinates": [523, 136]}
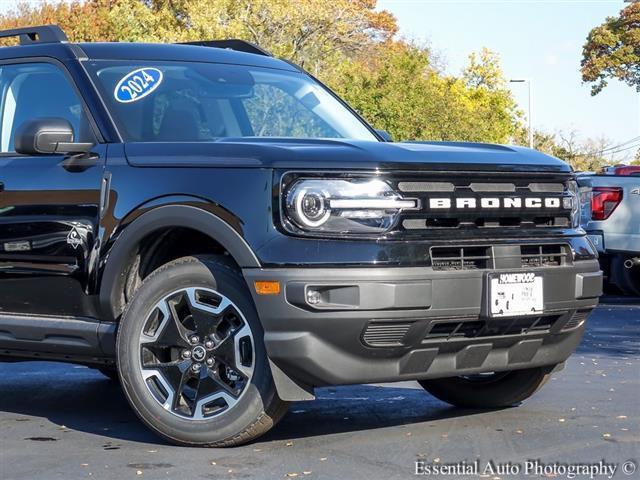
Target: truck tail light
{"type": "Point", "coordinates": [604, 201]}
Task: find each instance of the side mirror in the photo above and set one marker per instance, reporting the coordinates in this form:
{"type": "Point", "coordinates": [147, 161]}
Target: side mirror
{"type": "Point", "coordinates": [386, 136]}
{"type": "Point", "coordinates": [49, 135]}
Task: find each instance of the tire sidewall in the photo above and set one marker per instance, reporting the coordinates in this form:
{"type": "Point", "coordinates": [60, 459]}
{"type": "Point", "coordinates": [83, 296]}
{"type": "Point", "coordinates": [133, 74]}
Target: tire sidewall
{"type": "Point", "coordinates": [192, 272]}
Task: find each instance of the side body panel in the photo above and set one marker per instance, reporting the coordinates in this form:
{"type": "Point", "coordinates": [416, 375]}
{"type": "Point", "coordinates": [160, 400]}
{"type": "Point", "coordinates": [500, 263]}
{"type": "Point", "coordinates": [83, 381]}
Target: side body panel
{"type": "Point", "coordinates": [48, 225]}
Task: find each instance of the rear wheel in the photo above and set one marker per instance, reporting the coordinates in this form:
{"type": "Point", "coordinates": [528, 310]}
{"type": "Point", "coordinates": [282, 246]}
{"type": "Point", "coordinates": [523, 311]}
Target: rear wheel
{"type": "Point", "coordinates": [191, 356]}
{"type": "Point", "coordinates": [491, 390]}
{"type": "Point", "coordinates": [627, 278]}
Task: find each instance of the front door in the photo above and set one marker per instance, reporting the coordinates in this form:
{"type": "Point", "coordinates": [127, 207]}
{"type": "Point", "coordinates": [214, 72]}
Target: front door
{"type": "Point", "coordinates": [48, 203]}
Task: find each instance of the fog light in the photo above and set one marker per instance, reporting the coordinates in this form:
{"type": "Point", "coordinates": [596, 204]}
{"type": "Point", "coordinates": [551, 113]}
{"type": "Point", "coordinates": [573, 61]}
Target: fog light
{"type": "Point", "coordinates": [313, 297]}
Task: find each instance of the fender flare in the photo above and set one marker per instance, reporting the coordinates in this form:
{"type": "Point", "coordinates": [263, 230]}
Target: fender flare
{"type": "Point", "coordinates": [162, 217]}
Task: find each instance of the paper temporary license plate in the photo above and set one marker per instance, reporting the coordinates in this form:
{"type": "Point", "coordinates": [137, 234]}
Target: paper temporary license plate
{"type": "Point", "coordinates": [515, 294]}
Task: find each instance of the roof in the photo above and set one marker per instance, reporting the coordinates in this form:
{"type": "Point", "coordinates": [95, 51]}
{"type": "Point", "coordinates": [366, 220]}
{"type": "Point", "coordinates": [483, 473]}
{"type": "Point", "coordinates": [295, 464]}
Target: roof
{"type": "Point", "coordinates": [142, 51]}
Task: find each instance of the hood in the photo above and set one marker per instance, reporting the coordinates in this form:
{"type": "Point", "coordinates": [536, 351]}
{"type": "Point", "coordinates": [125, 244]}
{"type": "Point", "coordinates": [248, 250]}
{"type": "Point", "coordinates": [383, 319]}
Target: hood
{"type": "Point", "coordinates": [342, 155]}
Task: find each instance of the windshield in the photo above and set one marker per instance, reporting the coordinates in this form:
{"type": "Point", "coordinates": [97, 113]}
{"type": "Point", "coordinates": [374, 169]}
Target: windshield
{"type": "Point", "coordinates": [191, 102]}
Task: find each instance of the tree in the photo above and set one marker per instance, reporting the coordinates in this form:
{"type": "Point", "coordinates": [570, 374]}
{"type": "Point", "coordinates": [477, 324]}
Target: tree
{"type": "Point", "coordinates": [84, 21]}
{"type": "Point", "coordinates": [398, 88]}
{"type": "Point", "coordinates": [348, 44]}
{"type": "Point", "coordinates": [612, 51]}
{"type": "Point", "coordinates": [313, 33]}
{"type": "Point", "coordinates": [591, 154]}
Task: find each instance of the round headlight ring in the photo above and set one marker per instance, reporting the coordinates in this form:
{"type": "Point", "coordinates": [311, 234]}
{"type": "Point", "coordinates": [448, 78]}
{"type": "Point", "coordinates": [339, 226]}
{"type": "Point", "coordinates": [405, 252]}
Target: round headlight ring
{"type": "Point", "coordinates": [311, 208]}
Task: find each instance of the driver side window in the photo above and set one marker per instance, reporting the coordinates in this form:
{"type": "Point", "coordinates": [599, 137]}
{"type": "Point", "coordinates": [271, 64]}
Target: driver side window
{"type": "Point", "coordinates": [37, 90]}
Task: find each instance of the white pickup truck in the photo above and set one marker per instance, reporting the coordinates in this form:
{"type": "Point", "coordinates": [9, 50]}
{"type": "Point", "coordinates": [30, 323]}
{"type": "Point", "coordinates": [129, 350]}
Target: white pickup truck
{"type": "Point", "coordinates": [613, 224]}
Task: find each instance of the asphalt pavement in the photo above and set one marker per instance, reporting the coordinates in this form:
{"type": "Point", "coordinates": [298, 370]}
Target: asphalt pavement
{"type": "Point", "coordinates": [68, 422]}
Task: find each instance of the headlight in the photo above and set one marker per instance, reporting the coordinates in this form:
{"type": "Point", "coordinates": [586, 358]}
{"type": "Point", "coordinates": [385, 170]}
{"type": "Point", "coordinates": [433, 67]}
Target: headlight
{"type": "Point", "coordinates": [343, 206]}
{"type": "Point", "coordinates": [573, 202]}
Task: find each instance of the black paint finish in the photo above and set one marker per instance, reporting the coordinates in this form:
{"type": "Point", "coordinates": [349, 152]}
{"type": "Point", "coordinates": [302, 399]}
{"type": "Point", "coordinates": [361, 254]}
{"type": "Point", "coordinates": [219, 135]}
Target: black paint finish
{"type": "Point", "coordinates": [69, 225]}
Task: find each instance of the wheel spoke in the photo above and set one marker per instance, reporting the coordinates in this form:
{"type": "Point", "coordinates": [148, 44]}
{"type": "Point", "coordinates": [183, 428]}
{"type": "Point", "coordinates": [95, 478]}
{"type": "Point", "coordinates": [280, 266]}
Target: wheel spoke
{"type": "Point", "coordinates": [225, 351]}
{"type": "Point", "coordinates": [213, 384]}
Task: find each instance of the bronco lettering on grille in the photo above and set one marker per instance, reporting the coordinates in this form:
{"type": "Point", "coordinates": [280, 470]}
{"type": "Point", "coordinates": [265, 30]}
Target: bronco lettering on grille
{"type": "Point", "coordinates": [493, 202]}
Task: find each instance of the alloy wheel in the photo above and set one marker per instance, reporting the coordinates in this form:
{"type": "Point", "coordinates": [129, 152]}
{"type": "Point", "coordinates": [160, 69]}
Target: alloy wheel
{"type": "Point", "coordinates": [196, 353]}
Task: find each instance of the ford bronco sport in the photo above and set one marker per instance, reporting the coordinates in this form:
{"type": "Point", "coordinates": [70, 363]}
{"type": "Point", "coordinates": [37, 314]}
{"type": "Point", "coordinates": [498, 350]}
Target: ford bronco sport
{"type": "Point", "coordinates": [220, 231]}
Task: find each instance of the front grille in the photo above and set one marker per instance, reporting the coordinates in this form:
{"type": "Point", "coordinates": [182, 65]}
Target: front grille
{"type": "Point", "coordinates": [457, 329]}
{"type": "Point", "coordinates": [461, 258]}
{"type": "Point", "coordinates": [383, 334]}
{"type": "Point", "coordinates": [484, 257]}
{"type": "Point", "coordinates": [544, 255]}
{"type": "Point", "coordinates": [484, 204]}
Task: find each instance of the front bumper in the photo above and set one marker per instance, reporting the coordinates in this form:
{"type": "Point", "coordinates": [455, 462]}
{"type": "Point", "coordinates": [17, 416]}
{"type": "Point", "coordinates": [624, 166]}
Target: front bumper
{"type": "Point", "coordinates": [390, 324]}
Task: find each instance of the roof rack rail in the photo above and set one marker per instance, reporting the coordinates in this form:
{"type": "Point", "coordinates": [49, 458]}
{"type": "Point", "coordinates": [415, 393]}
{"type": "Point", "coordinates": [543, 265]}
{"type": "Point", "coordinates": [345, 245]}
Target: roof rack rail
{"type": "Point", "coordinates": [41, 34]}
{"type": "Point", "coordinates": [232, 44]}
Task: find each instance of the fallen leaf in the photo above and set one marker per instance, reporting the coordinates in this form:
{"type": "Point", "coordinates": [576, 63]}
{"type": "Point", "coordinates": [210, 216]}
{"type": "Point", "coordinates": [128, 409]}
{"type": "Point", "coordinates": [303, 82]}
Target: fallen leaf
{"type": "Point", "coordinates": [561, 420]}
{"type": "Point", "coordinates": [323, 459]}
{"type": "Point", "coordinates": [307, 472]}
{"type": "Point", "coordinates": [621, 417]}
{"type": "Point", "coordinates": [606, 435]}
{"type": "Point", "coordinates": [138, 472]}
{"type": "Point", "coordinates": [436, 460]}
{"type": "Point", "coordinates": [291, 475]}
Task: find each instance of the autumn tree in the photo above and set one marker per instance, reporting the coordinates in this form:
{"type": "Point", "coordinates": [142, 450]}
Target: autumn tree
{"type": "Point", "coordinates": [83, 21]}
{"type": "Point", "coordinates": [312, 33]}
{"type": "Point", "coordinates": [348, 44]}
{"type": "Point", "coordinates": [612, 51]}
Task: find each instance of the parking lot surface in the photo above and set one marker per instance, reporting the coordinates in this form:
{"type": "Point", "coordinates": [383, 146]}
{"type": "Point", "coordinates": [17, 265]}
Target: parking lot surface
{"type": "Point", "coordinates": [65, 421]}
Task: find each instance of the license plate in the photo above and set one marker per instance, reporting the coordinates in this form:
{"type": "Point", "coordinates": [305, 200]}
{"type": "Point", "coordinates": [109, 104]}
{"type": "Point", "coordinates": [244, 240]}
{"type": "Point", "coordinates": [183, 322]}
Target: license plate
{"type": "Point", "coordinates": [516, 294]}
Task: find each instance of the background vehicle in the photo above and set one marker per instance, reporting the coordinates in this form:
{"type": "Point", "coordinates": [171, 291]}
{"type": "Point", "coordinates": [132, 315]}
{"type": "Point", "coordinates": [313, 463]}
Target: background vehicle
{"type": "Point", "coordinates": [614, 224]}
{"type": "Point", "coordinates": [230, 235]}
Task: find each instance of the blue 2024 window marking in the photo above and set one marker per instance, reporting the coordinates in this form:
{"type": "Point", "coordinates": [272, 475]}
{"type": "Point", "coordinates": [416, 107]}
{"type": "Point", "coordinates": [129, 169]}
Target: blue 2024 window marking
{"type": "Point", "coordinates": [137, 84]}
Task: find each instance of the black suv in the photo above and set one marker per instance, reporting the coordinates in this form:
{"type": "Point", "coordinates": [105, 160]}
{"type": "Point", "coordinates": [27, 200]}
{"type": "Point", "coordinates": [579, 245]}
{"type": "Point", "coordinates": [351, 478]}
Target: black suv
{"type": "Point", "coordinates": [220, 231]}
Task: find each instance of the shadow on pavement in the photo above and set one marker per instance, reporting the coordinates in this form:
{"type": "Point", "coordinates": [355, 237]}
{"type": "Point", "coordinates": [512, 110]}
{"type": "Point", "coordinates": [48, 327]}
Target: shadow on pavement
{"type": "Point", "coordinates": [84, 400]}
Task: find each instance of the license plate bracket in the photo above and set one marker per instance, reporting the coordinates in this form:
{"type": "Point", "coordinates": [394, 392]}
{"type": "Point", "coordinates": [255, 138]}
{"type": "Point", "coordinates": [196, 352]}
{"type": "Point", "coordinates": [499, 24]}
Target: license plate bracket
{"type": "Point", "coordinates": [514, 294]}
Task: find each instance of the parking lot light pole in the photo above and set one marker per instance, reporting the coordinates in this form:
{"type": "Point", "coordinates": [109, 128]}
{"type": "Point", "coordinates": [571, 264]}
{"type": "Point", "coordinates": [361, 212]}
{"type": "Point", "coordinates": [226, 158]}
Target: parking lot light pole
{"type": "Point", "coordinates": [529, 122]}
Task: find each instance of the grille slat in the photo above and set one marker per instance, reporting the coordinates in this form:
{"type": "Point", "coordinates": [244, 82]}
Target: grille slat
{"type": "Point", "coordinates": [481, 258]}
{"type": "Point", "coordinates": [385, 333]}
{"type": "Point", "coordinates": [490, 328]}
{"type": "Point", "coordinates": [577, 319]}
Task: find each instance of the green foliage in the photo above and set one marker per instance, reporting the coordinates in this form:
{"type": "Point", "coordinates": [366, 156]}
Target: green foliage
{"type": "Point", "coordinates": [346, 43]}
{"type": "Point", "coordinates": [400, 91]}
{"type": "Point", "coordinates": [613, 51]}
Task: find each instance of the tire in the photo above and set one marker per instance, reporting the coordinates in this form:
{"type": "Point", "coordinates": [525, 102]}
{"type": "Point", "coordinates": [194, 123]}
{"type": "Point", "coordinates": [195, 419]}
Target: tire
{"type": "Point", "coordinates": [110, 372]}
{"type": "Point", "coordinates": [226, 403]}
{"type": "Point", "coordinates": [627, 279]}
{"type": "Point", "coordinates": [497, 390]}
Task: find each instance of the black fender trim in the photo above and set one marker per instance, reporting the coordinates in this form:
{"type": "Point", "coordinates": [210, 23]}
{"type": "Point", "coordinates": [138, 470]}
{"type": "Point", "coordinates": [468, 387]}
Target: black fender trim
{"type": "Point", "coordinates": [162, 217]}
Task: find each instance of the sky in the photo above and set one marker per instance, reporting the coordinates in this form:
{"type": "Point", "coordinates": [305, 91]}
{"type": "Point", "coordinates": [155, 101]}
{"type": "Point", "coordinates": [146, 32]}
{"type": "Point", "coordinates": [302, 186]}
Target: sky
{"type": "Point", "coordinates": [536, 39]}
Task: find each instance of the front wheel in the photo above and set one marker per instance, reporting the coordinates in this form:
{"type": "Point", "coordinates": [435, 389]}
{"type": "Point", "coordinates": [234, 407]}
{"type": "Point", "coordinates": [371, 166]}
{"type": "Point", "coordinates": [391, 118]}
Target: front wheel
{"type": "Point", "coordinates": [191, 356]}
{"type": "Point", "coordinates": [491, 390]}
